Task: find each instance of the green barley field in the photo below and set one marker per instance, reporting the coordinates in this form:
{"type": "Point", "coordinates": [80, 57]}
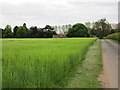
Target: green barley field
{"type": "Point", "coordinates": [41, 63]}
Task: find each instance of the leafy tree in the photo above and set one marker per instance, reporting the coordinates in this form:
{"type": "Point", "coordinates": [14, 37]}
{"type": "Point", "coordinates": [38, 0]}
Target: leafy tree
{"type": "Point", "coordinates": [102, 28]}
{"type": "Point", "coordinates": [8, 32]}
{"type": "Point", "coordinates": [33, 31]}
{"type": "Point", "coordinates": [24, 25]}
{"type": "Point", "coordinates": [15, 31]}
{"type": "Point", "coordinates": [1, 32]}
{"type": "Point", "coordinates": [59, 29]}
{"type": "Point", "coordinates": [69, 26]}
{"type": "Point", "coordinates": [40, 33]}
{"type": "Point", "coordinates": [21, 32]}
{"type": "Point", "coordinates": [27, 30]}
{"type": "Point", "coordinates": [88, 25]}
{"type": "Point", "coordinates": [63, 28]}
{"type": "Point", "coordinates": [48, 27]}
{"type": "Point", "coordinates": [93, 31]}
{"type": "Point", "coordinates": [113, 31]}
{"type": "Point", "coordinates": [48, 31]}
{"type": "Point", "coordinates": [118, 27]}
{"type": "Point", "coordinates": [78, 30]}
{"type": "Point", "coordinates": [55, 28]}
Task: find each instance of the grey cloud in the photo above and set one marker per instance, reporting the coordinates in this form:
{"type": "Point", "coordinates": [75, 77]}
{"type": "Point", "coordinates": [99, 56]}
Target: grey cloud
{"type": "Point", "coordinates": [106, 4]}
{"type": "Point", "coordinates": [56, 12]}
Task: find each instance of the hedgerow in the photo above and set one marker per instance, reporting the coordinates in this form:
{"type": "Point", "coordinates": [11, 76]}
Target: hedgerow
{"type": "Point", "coordinates": [114, 36]}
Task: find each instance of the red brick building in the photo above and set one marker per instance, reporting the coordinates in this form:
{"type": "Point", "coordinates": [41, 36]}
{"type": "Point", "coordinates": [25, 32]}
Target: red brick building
{"type": "Point", "coordinates": [59, 36]}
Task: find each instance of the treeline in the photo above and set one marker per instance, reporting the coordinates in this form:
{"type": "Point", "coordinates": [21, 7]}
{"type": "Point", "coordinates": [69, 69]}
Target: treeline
{"type": "Point", "coordinates": [24, 32]}
{"type": "Point", "coordinates": [100, 29]}
{"type": "Point", "coordinates": [62, 28]}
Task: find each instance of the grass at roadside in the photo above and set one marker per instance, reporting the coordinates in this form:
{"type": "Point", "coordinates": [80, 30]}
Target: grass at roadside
{"type": "Point", "coordinates": [114, 36]}
{"type": "Point", "coordinates": [88, 73]}
{"type": "Point", "coordinates": [115, 41]}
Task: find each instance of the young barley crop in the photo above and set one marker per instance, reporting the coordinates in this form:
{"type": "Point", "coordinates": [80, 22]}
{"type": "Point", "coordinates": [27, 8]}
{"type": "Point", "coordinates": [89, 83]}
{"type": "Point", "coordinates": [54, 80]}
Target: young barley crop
{"type": "Point", "coordinates": [41, 63]}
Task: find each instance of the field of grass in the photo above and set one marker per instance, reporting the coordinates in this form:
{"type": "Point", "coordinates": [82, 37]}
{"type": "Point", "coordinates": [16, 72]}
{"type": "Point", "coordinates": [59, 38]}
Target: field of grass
{"type": "Point", "coordinates": [0, 63]}
{"type": "Point", "coordinates": [41, 63]}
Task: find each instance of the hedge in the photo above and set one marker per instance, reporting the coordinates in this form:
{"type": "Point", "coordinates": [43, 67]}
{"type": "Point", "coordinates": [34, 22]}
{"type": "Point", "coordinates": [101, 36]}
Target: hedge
{"type": "Point", "coordinates": [114, 36]}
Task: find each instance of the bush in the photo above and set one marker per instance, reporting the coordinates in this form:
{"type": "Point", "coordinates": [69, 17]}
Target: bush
{"type": "Point", "coordinates": [115, 36]}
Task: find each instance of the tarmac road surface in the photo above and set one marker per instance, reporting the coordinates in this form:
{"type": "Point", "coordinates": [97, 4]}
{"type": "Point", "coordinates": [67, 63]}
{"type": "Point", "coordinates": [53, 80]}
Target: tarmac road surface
{"type": "Point", "coordinates": [110, 64]}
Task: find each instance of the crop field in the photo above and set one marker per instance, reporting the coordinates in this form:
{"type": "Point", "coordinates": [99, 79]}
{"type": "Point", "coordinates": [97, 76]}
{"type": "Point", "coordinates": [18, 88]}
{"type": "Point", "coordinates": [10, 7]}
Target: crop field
{"type": "Point", "coordinates": [41, 63]}
{"type": "Point", "coordinates": [0, 63]}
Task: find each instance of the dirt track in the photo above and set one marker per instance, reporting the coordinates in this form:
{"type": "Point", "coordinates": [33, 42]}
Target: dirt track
{"type": "Point", "coordinates": [110, 64]}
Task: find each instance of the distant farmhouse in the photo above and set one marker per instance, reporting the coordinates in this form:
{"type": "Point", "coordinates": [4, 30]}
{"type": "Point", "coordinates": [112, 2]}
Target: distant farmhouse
{"type": "Point", "coordinates": [93, 36]}
{"type": "Point", "coordinates": [60, 36]}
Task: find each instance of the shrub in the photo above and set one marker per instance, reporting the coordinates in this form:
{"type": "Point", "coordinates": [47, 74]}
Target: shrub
{"type": "Point", "coordinates": [115, 36]}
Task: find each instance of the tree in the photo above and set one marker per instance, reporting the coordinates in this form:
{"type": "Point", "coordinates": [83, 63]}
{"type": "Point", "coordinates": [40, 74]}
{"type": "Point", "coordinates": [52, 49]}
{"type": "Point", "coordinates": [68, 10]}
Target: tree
{"type": "Point", "coordinates": [63, 28]}
{"type": "Point", "coordinates": [8, 32]}
{"type": "Point", "coordinates": [21, 32]}
{"type": "Point", "coordinates": [102, 28]}
{"type": "Point", "coordinates": [27, 30]}
{"type": "Point", "coordinates": [48, 31]}
{"type": "Point", "coordinates": [113, 31]}
{"type": "Point", "coordinates": [69, 25]}
{"type": "Point", "coordinates": [24, 25]}
{"type": "Point", "coordinates": [118, 27]}
{"type": "Point", "coordinates": [78, 30]}
{"type": "Point", "coordinates": [88, 25]}
{"type": "Point", "coordinates": [15, 29]}
{"type": "Point", "coordinates": [59, 29]}
{"type": "Point", "coordinates": [48, 27]}
{"type": "Point", "coordinates": [40, 33]}
{"type": "Point", "coordinates": [55, 28]}
{"type": "Point", "coordinates": [33, 31]}
{"type": "Point", "coordinates": [1, 32]}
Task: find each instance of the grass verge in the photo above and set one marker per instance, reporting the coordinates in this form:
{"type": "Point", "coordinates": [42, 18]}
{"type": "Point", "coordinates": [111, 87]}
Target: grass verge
{"type": "Point", "coordinates": [88, 73]}
{"type": "Point", "coordinates": [115, 41]}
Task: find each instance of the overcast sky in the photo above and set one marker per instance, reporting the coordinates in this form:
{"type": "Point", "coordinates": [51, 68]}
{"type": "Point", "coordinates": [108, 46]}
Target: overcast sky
{"type": "Point", "coordinates": [56, 12]}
